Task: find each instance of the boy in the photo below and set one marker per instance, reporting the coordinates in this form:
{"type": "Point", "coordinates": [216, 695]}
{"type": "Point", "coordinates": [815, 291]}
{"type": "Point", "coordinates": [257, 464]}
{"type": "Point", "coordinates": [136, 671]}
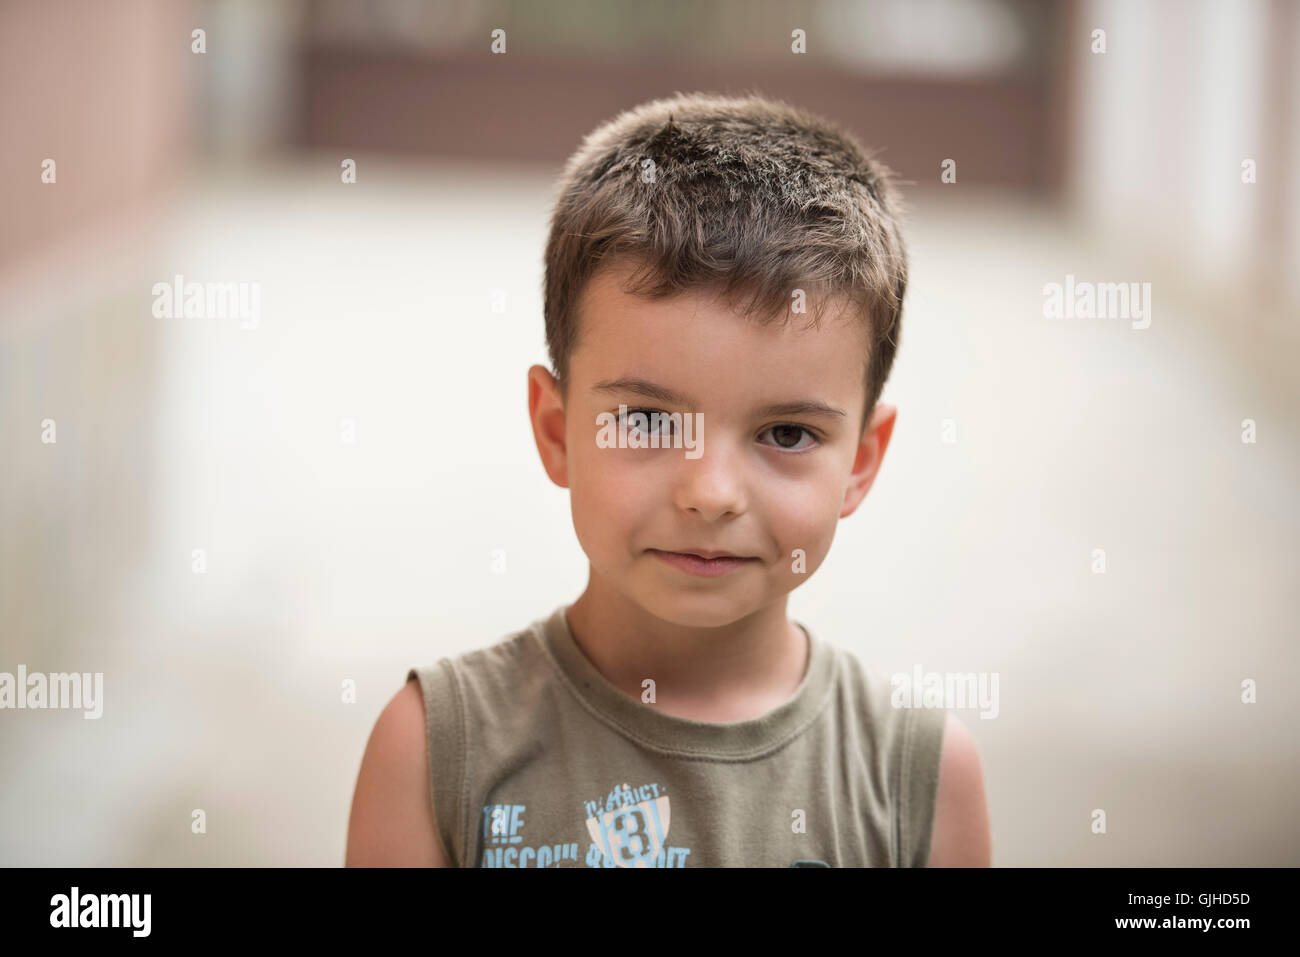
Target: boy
{"type": "Point", "coordinates": [724, 285]}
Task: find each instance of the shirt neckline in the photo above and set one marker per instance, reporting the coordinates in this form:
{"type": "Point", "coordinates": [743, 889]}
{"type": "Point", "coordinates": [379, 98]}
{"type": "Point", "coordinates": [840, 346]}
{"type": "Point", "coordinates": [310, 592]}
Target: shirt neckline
{"type": "Point", "coordinates": [686, 736]}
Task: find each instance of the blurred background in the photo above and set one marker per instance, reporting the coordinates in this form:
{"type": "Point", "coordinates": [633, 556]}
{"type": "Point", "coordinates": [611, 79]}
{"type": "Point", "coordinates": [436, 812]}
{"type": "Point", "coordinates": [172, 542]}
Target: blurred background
{"type": "Point", "coordinates": [235, 518]}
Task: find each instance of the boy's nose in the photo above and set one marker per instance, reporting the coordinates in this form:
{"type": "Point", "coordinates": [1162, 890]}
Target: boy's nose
{"type": "Point", "coordinates": [713, 484]}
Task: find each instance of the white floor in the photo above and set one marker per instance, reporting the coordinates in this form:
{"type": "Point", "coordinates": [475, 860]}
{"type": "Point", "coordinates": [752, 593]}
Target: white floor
{"type": "Point", "coordinates": [328, 561]}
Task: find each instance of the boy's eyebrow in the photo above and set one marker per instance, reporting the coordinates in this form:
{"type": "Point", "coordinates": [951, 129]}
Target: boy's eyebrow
{"type": "Point", "coordinates": [652, 391]}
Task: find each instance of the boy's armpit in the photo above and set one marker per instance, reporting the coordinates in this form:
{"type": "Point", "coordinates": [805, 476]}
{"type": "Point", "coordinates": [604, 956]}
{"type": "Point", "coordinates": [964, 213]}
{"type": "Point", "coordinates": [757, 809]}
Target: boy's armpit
{"type": "Point", "coordinates": [961, 836]}
{"type": "Point", "coordinates": [392, 819]}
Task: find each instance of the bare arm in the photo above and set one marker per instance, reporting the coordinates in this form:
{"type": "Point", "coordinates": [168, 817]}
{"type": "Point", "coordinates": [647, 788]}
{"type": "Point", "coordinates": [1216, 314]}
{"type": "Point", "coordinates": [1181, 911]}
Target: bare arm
{"type": "Point", "coordinates": [392, 820]}
{"type": "Point", "coordinates": [961, 835]}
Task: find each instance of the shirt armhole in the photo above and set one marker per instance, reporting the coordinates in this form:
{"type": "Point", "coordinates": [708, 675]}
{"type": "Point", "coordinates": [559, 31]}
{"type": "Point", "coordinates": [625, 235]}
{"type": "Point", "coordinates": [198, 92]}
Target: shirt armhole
{"type": "Point", "coordinates": [919, 785]}
{"type": "Point", "coordinates": [444, 737]}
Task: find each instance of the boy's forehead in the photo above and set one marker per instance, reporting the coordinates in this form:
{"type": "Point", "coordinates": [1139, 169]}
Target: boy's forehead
{"type": "Point", "coordinates": [697, 342]}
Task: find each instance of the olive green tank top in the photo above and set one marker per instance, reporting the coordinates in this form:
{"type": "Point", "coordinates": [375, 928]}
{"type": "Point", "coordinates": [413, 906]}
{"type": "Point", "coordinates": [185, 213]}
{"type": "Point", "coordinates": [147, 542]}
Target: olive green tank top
{"type": "Point", "coordinates": [537, 760]}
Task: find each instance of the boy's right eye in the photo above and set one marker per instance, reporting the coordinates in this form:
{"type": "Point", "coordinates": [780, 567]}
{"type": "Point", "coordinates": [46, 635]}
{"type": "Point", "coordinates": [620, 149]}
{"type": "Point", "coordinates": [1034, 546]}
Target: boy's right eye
{"type": "Point", "coordinates": [649, 414]}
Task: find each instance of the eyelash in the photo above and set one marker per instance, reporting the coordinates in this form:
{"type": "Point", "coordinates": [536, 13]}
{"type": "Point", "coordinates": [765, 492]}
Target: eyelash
{"type": "Point", "coordinates": [819, 439]}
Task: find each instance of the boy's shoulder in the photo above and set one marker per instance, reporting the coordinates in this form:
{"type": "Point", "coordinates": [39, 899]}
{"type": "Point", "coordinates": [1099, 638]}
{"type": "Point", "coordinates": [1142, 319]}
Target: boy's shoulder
{"type": "Point", "coordinates": [501, 667]}
{"type": "Point", "coordinates": [940, 786]}
{"type": "Point", "coordinates": [868, 689]}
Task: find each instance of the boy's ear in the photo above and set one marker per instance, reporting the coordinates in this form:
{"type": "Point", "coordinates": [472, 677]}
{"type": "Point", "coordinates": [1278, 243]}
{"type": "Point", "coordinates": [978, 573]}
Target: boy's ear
{"type": "Point", "coordinates": [546, 411]}
{"type": "Point", "coordinates": [871, 449]}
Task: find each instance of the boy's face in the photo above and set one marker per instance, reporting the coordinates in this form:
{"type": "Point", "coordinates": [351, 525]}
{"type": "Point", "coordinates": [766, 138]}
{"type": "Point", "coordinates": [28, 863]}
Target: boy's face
{"type": "Point", "coordinates": [768, 486]}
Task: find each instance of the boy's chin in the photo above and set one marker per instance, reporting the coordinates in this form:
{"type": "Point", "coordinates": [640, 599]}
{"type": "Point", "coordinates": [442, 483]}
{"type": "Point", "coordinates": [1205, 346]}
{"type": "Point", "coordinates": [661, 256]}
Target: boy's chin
{"type": "Point", "coordinates": [696, 609]}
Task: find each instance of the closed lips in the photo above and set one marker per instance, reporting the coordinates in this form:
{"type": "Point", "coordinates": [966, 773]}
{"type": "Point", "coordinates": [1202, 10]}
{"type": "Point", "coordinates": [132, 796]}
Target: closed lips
{"type": "Point", "coordinates": [707, 555]}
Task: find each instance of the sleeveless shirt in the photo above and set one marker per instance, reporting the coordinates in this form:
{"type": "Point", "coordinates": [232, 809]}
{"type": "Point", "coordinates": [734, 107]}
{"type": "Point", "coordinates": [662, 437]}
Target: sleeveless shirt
{"type": "Point", "coordinates": [537, 760]}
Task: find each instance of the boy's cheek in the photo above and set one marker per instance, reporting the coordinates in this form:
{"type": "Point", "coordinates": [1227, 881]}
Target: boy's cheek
{"type": "Point", "coordinates": [800, 561]}
{"type": "Point", "coordinates": [807, 540]}
{"type": "Point", "coordinates": [615, 474]}
{"type": "Point", "coordinates": [606, 504]}
{"type": "Point", "coordinates": [601, 477]}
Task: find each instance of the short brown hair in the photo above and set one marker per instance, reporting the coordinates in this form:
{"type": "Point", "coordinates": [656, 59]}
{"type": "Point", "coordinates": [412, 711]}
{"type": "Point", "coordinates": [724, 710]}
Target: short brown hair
{"type": "Point", "coordinates": [748, 196]}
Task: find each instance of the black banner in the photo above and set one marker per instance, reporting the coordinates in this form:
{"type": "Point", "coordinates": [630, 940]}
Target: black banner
{"type": "Point", "coordinates": [328, 906]}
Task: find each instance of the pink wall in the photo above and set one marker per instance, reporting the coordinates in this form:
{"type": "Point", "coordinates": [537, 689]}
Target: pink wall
{"type": "Point", "coordinates": [101, 88]}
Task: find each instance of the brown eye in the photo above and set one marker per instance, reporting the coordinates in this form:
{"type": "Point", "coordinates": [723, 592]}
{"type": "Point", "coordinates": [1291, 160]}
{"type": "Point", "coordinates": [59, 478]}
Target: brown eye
{"type": "Point", "coordinates": [650, 430]}
{"type": "Point", "coordinates": [788, 436]}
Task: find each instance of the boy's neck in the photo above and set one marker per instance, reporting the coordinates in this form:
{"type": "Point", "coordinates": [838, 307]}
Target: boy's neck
{"type": "Point", "coordinates": [737, 672]}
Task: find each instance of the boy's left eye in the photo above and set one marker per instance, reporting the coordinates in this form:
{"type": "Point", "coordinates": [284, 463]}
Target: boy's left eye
{"type": "Point", "coordinates": [792, 432]}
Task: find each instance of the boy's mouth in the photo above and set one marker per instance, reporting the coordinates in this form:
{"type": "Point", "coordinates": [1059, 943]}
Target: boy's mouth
{"type": "Point", "coordinates": [708, 564]}
{"type": "Point", "coordinates": [700, 553]}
